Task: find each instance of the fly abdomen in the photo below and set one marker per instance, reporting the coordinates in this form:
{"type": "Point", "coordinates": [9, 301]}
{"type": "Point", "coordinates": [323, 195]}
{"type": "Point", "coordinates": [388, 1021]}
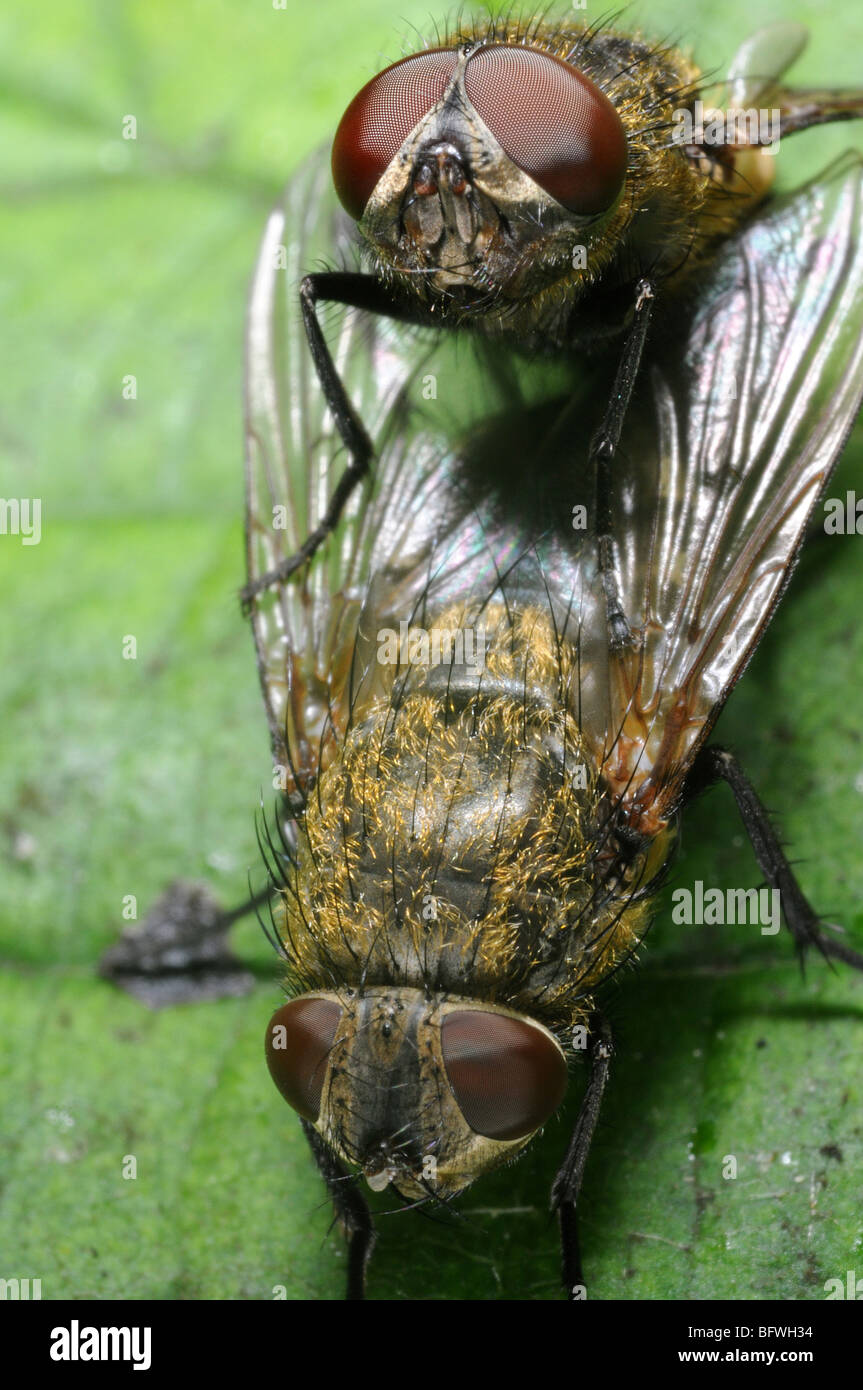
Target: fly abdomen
{"type": "Point", "coordinates": [454, 843]}
{"type": "Point", "coordinates": [462, 688]}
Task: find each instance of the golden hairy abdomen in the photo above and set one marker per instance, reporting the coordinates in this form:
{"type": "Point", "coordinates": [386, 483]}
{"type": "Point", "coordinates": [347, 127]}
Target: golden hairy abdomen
{"type": "Point", "coordinates": [452, 845]}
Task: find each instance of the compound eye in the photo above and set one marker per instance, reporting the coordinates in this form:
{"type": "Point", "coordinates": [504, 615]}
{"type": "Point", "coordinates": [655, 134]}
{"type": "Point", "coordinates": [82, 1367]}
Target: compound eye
{"type": "Point", "coordinates": [299, 1040]}
{"type": "Point", "coordinates": [552, 122]}
{"type": "Point", "coordinates": [381, 117]}
{"type": "Point", "coordinates": [507, 1076]}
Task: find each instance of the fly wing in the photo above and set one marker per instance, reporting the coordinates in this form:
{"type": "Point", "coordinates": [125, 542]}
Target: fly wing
{"type": "Point", "coordinates": [753, 82]}
{"type": "Point", "coordinates": [304, 628]}
{"type": "Point", "coordinates": [761, 60]}
{"type": "Point", "coordinates": [728, 452]}
{"type": "Point", "coordinates": [409, 536]}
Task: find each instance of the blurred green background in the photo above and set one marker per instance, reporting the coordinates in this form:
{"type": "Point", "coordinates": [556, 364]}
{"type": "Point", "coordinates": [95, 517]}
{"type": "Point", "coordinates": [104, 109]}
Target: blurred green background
{"type": "Point", "coordinates": [123, 257]}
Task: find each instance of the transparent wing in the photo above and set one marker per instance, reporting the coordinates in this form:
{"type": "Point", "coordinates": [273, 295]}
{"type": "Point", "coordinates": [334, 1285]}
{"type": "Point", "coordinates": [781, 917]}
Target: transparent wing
{"type": "Point", "coordinates": [408, 535]}
{"type": "Point", "coordinates": [753, 82]}
{"type": "Point", "coordinates": [727, 454]}
{"type": "Point", "coordinates": [304, 629]}
{"type": "Point", "coordinates": [761, 60]}
{"type": "Point", "coordinates": [730, 440]}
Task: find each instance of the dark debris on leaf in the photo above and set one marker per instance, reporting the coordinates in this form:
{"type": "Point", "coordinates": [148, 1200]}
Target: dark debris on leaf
{"type": "Point", "coordinates": [179, 954]}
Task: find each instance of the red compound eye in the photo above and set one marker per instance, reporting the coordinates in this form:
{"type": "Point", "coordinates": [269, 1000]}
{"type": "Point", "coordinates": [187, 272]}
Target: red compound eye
{"type": "Point", "coordinates": [550, 119]}
{"type": "Point", "coordinates": [507, 1076]}
{"type": "Point", "coordinates": [553, 123]}
{"type": "Point", "coordinates": [381, 117]}
{"type": "Point", "coordinates": [299, 1040]}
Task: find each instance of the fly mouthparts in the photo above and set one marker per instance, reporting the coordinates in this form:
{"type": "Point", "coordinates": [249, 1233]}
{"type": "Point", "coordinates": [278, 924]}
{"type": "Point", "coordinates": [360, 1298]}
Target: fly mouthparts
{"type": "Point", "coordinates": [380, 1178]}
{"type": "Point", "coordinates": [440, 166]}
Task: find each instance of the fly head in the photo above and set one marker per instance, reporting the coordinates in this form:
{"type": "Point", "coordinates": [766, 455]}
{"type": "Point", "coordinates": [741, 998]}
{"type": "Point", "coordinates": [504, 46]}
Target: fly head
{"type": "Point", "coordinates": [423, 1093]}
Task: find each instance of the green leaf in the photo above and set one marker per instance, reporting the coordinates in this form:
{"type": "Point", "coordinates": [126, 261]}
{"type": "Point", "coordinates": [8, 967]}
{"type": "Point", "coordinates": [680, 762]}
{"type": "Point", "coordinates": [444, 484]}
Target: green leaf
{"type": "Point", "coordinates": [130, 258]}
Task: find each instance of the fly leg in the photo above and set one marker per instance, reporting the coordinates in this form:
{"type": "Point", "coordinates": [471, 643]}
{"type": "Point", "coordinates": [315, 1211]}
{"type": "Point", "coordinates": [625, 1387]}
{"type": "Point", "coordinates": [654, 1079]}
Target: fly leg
{"type": "Point", "coordinates": [603, 448]}
{"type": "Point", "coordinates": [717, 764]}
{"type": "Point", "coordinates": [567, 1184]}
{"type": "Point", "coordinates": [350, 1208]}
{"type": "Point", "coordinates": [356, 291]}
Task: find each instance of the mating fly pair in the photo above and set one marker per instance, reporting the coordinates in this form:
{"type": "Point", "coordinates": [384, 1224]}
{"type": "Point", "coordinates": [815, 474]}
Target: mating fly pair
{"type": "Point", "coordinates": [491, 669]}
